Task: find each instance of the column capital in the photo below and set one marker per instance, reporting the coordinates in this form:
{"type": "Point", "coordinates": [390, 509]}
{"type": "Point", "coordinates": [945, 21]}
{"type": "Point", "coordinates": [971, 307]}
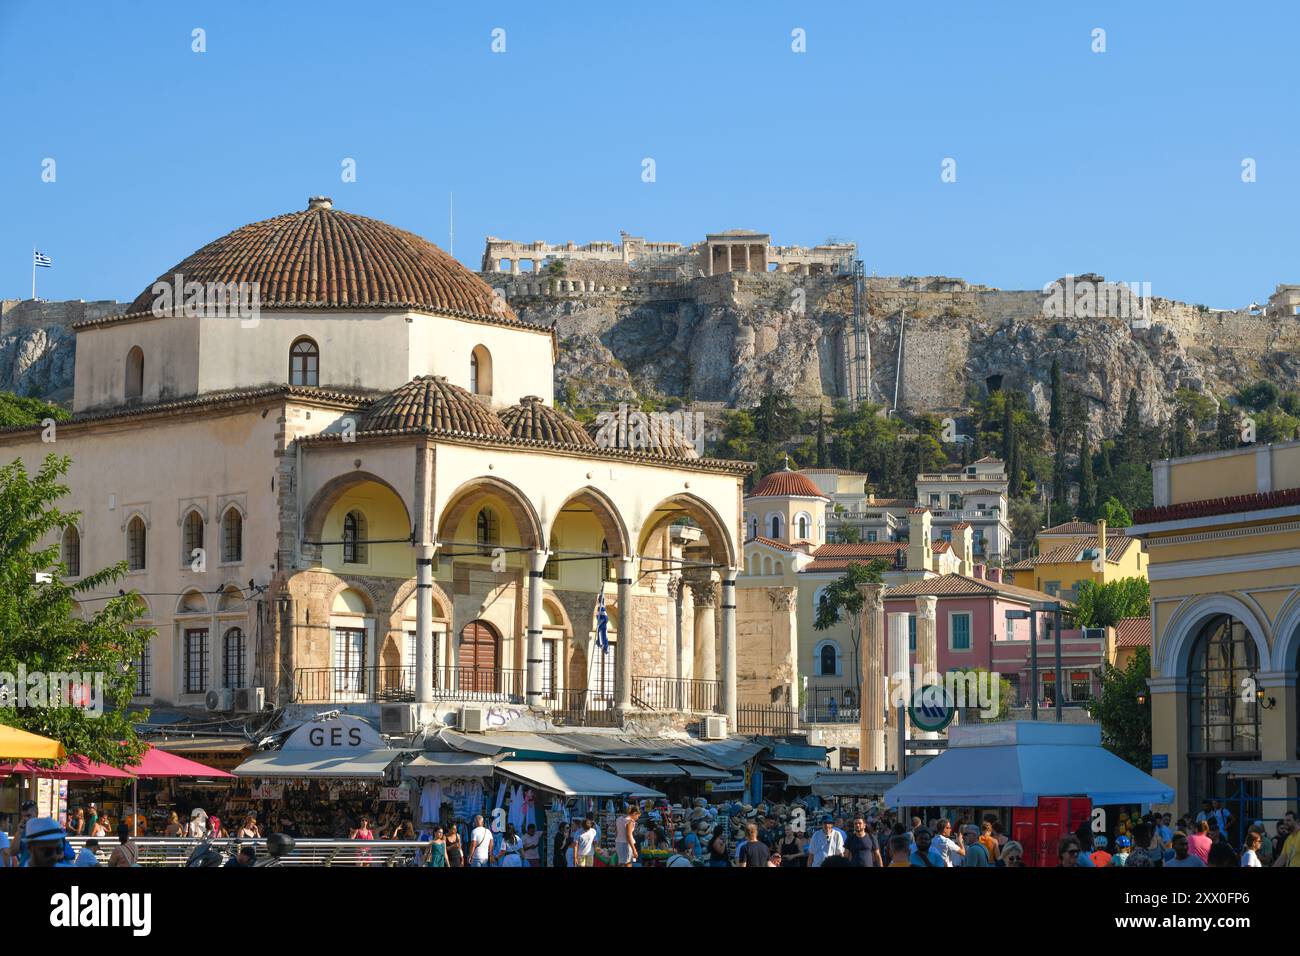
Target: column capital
{"type": "Point", "coordinates": [873, 595]}
{"type": "Point", "coordinates": [705, 593]}
{"type": "Point", "coordinates": [783, 599]}
{"type": "Point", "coordinates": [925, 606]}
{"type": "Point", "coordinates": [1167, 685]}
{"type": "Point", "coordinates": [537, 559]}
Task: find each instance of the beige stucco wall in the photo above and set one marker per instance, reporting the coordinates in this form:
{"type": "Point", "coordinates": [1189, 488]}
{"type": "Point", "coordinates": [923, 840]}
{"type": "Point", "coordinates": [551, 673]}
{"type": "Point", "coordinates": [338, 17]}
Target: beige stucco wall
{"type": "Point", "coordinates": [171, 361]}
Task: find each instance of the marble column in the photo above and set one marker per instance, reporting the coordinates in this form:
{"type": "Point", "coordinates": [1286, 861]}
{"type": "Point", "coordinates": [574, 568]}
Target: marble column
{"type": "Point", "coordinates": [674, 648]}
{"type": "Point", "coordinates": [424, 662]}
{"type": "Point", "coordinates": [533, 646]}
{"type": "Point", "coordinates": [927, 649]}
{"type": "Point", "coordinates": [705, 594]}
{"type": "Point", "coordinates": [729, 700]}
{"type": "Point", "coordinates": [871, 755]}
{"type": "Point", "coordinates": [623, 665]}
{"type": "Point", "coordinates": [900, 684]}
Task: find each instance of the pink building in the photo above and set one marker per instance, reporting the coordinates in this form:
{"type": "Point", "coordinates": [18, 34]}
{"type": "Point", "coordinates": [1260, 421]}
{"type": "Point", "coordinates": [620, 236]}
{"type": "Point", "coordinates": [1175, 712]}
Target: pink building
{"type": "Point", "coordinates": [972, 630]}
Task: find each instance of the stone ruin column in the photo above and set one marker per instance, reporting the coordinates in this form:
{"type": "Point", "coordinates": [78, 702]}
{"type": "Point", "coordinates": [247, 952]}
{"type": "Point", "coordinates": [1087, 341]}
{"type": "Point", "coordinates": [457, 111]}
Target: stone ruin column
{"type": "Point", "coordinates": [872, 692]}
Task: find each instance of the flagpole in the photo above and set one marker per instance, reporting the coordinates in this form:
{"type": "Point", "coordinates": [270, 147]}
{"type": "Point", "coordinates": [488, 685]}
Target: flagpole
{"type": "Point", "coordinates": [33, 273]}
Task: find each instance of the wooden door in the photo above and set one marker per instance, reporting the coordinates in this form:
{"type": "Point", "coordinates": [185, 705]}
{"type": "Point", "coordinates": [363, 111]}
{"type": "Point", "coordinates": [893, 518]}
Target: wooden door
{"type": "Point", "coordinates": [479, 651]}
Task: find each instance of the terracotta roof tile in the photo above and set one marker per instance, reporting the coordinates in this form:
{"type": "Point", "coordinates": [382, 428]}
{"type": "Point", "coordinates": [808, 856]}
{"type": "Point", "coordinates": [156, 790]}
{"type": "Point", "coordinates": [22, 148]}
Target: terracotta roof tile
{"type": "Point", "coordinates": [956, 585]}
{"type": "Point", "coordinates": [1133, 632]}
{"type": "Point", "coordinates": [1074, 527]}
{"type": "Point", "coordinates": [783, 483]}
{"type": "Point", "coordinates": [324, 257]}
{"type": "Point", "coordinates": [772, 543]}
{"type": "Point", "coordinates": [533, 418]}
{"type": "Point", "coordinates": [960, 525]}
{"type": "Point", "coordinates": [430, 403]}
{"type": "Point", "coordinates": [1072, 552]}
{"type": "Point", "coordinates": [1210, 507]}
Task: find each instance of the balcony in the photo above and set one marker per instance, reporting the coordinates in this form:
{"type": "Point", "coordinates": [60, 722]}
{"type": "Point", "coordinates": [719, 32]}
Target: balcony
{"type": "Point", "coordinates": [926, 477]}
{"type": "Point", "coordinates": [677, 695]}
{"type": "Point", "coordinates": [949, 514]}
{"type": "Point", "coordinates": [339, 685]}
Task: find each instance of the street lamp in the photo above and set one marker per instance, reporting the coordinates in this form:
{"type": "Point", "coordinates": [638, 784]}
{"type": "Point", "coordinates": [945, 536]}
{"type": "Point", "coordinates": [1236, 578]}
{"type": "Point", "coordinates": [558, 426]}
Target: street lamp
{"type": "Point", "coordinates": [1033, 659]}
{"type": "Point", "coordinates": [1265, 702]}
{"type": "Point", "coordinates": [1054, 607]}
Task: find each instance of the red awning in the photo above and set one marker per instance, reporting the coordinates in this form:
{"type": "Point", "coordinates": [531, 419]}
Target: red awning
{"type": "Point", "coordinates": [74, 768]}
{"type": "Point", "coordinates": [160, 763]}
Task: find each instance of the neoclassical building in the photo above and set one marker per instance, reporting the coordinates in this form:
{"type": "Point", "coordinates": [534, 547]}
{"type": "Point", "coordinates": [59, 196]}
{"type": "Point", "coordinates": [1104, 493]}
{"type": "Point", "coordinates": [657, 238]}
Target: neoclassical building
{"type": "Point", "coordinates": [1224, 546]}
{"type": "Point", "coordinates": [365, 494]}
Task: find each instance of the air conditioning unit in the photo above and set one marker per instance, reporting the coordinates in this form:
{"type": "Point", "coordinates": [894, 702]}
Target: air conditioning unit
{"type": "Point", "coordinates": [714, 728]}
{"type": "Point", "coordinates": [399, 719]}
{"type": "Point", "coordinates": [473, 720]}
{"type": "Point", "coordinates": [250, 700]}
{"type": "Point", "coordinates": [1094, 633]}
{"type": "Point", "coordinates": [219, 699]}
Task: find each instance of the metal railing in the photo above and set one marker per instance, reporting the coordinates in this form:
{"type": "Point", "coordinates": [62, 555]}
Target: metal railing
{"type": "Point", "coordinates": [772, 721]}
{"type": "Point", "coordinates": [831, 705]}
{"type": "Point", "coordinates": [175, 851]}
{"type": "Point", "coordinates": [585, 708]}
{"type": "Point", "coordinates": [678, 694]}
{"type": "Point", "coordinates": [333, 685]}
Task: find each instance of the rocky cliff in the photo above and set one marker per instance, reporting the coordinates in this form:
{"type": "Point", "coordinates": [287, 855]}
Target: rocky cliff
{"type": "Point", "coordinates": [725, 340]}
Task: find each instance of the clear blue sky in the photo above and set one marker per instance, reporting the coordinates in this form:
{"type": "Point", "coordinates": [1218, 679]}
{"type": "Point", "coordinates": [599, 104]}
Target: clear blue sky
{"type": "Point", "coordinates": [1126, 163]}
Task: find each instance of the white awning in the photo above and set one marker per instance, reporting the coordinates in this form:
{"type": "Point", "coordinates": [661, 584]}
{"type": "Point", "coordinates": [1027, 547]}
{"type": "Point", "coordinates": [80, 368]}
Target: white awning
{"type": "Point", "coordinates": [644, 768]}
{"type": "Point", "coordinates": [798, 774]}
{"type": "Point", "coordinates": [571, 779]}
{"type": "Point", "coordinates": [369, 764]}
{"type": "Point", "coordinates": [449, 766]}
{"type": "Point", "coordinates": [699, 772]}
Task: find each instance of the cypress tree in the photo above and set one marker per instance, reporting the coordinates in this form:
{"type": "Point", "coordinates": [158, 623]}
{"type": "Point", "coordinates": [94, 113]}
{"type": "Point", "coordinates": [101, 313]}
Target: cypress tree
{"type": "Point", "coordinates": [821, 437]}
{"type": "Point", "coordinates": [1054, 421]}
{"type": "Point", "coordinates": [1087, 483]}
{"type": "Point", "coordinates": [1225, 427]}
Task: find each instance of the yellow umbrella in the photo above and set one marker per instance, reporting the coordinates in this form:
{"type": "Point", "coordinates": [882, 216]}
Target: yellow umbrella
{"type": "Point", "coordinates": [18, 744]}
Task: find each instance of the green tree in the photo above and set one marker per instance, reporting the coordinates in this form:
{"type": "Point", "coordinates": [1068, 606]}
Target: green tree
{"type": "Point", "coordinates": [843, 601]}
{"type": "Point", "coordinates": [1126, 723]}
{"type": "Point", "coordinates": [821, 438]}
{"type": "Point", "coordinates": [40, 633]}
{"type": "Point", "coordinates": [1087, 482]}
{"type": "Point", "coordinates": [1114, 514]}
{"type": "Point", "coordinates": [1055, 420]}
{"type": "Point", "coordinates": [1225, 427]}
{"type": "Point", "coordinates": [1105, 605]}
{"type": "Point", "coordinates": [1259, 396]}
{"type": "Point", "coordinates": [775, 418]}
{"type": "Point", "coordinates": [16, 411]}
{"type": "Point", "coordinates": [1006, 694]}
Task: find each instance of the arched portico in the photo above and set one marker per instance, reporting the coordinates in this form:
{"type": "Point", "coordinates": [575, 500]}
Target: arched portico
{"type": "Point", "coordinates": [473, 494]}
{"type": "Point", "coordinates": [1185, 627]}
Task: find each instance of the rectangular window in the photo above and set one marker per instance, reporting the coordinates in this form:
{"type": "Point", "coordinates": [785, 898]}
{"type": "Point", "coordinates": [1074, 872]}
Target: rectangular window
{"type": "Point", "coordinates": [946, 536]}
{"type": "Point", "coordinates": [848, 757]}
{"type": "Point", "coordinates": [349, 659]}
{"type": "Point", "coordinates": [196, 660]}
{"type": "Point", "coordinates": [548, 669]}
{"type": "Point", "coordinates": [1053, 588]}
{"type": "Point", "coordinates": [934, 500]}
{"type": "Point", "coordinates": [143, 673]}
{"type": "Point", "coordinates": [960, 632]}
{"type": "Point", "coordinates": [871, 537]}
{"type": "Point", "coordinates": [1080, 686]}
{"type": "Point", "coordinates": [954, 501]}
{"type": "Point", "coordinates": [232, 665]}
{"type": "Point", "coordinates": [911, 632]}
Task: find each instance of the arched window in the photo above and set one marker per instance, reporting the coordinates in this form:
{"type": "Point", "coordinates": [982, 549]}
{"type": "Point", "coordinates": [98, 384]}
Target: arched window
{"type": "Point", "coordinates": [1224, 722]}
{"type": "Point", "coordinates": [779, 568]}
{"type": "Point", "coordinates": [776, 526]}
{"type": "Point", "coordinates": [135, 544]}
{"type": "Point", "coordinates": [480, 371]}
{"type": "Point", "coordinates": [828, 659]}
{"type": "Point", "coordinates": [232, 536]}
{"type": "Point", "coordinates": [304, 363]}
{"type": "Point", "coordinates": [232, 659]}
{"type": "Point", "coordinates": [753, 527]}
{"type": "Point", "coordinates": [487, 529]}
{"type": "Point", "coordinates": [134, 374]}
{"type": "Point", "coordinates": [354, 538]}
{"type": "Point", "coordinates": [192, 535]}
{"type": "Point", "coordinates": [71, 552]}
{"type": "Point", "coordinates": [803, 527]}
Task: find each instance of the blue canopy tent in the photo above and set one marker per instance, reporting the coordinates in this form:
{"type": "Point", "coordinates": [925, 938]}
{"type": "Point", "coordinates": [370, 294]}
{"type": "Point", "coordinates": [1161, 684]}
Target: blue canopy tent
{"type": "Point", "coordinates": [1013, 764]}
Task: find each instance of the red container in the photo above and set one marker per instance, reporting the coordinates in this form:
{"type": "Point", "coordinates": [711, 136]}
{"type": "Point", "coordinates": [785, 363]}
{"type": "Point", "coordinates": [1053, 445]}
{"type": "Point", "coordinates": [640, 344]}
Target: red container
{"type": "Point", "coordinates": [1040, 829]}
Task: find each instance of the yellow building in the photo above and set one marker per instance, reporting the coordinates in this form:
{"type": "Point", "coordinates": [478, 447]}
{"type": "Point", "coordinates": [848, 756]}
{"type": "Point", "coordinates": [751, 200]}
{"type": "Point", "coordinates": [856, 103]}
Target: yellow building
{"type": "Point", "coordinates": [1224, 546]}
{"type": "Point", "coordinates": [1070, 554]}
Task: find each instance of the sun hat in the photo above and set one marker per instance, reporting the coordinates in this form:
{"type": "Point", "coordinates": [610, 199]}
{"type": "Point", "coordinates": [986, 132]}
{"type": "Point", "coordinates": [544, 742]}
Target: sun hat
{"type": "Point", "coordinates": [41, 829]}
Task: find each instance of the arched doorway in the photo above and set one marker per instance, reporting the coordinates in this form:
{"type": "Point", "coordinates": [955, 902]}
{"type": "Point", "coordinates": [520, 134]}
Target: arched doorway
{"type": "Point", "coordinates": [1222, 710]}
{"type": "Point", "coordinates": [480, 655]}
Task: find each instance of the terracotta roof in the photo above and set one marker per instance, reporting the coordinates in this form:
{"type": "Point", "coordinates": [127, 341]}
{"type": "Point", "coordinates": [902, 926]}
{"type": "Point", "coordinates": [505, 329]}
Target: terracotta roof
{"type": "Point", "coordinates": [1026, 564]}
{"type": "Point", "coordinates": [322, 257]}
{"type": "Point", "coordinates": [1133, 632]}
{"type": "Point", "coordinates": [1072, 552]}
{"type": "Point", "coordinates": [1218, 506]}
{"type": "Point", "coordinates": [430, 403]}
{"type": "Point", "coordinates": [842, 564]}
{"type": "Point", "coordinates": [1073, 527]}
{"type": "Point", "coordinates": [939, 547]}
{"type": "Point", "coordinates": [960, 525]}
{"type": "Point", "coordinates": [662, 440]}
{"type": "Point", "coordinates": [215, 400]}
{"type": "Point", "coordinates": [956, 585]}
{"type": "Point", "coordinates": [783, 483]}
{"type": "Point", "coordinates": [533, 418]}
{"type": "Point", "coordinates": [917, 511]}
{"type": "Point", "coordinates": [987, 460]}
{"type": "Point", "coordinates": [772, 543]}
{"type": "Point", "coordinates": [888, 503]}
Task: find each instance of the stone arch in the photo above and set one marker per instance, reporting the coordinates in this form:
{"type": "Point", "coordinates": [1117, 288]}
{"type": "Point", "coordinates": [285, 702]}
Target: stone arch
{"type": "Point", "coordinates": [133, 384]}
{"type": "Point", "coordinates": [230, 598]}
{"type": "Point", "coordinates": [722, 547]}
{"type": "Point", "coordinates": [360, 587]}
{"type": "Point", "coordinates": [324, 500]}
{"type": "Point", "coordinates": [552, 603]}
{"type": "Point", "coordinates": [1286, 637]}
{"type": "Point", "coordinates": [1185, 626]}
{"type": "Point", "coordinates": [441, 603]}
{"type": "Point", "coordinates": [472, 493]}
{"type": "Point", "coordinates": [192, 601]}
{"type": "Point", "coordinates": [606, 513]}
{"type": "Point", "coordinates": [576, 678]}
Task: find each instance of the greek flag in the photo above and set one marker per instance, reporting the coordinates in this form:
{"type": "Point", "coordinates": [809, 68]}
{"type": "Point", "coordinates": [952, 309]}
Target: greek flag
{"type": "Point", "coordinates": [602, 626]}
{"type": "Point", "coordinates": [41, 260]}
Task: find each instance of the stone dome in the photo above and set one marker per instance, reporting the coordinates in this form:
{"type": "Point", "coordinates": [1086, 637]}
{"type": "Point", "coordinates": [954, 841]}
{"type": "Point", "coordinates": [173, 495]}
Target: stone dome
{"type": "Point", "coordinates": [662, 440]}
{"type": "Point", "coordinates": [535, 420]}
{"type": "Point", "coordinates": [786, 483]}
{"type": "Point", "coordinates": [324, 258]}
{"type": "Point", "coordinates": [429, 403]}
